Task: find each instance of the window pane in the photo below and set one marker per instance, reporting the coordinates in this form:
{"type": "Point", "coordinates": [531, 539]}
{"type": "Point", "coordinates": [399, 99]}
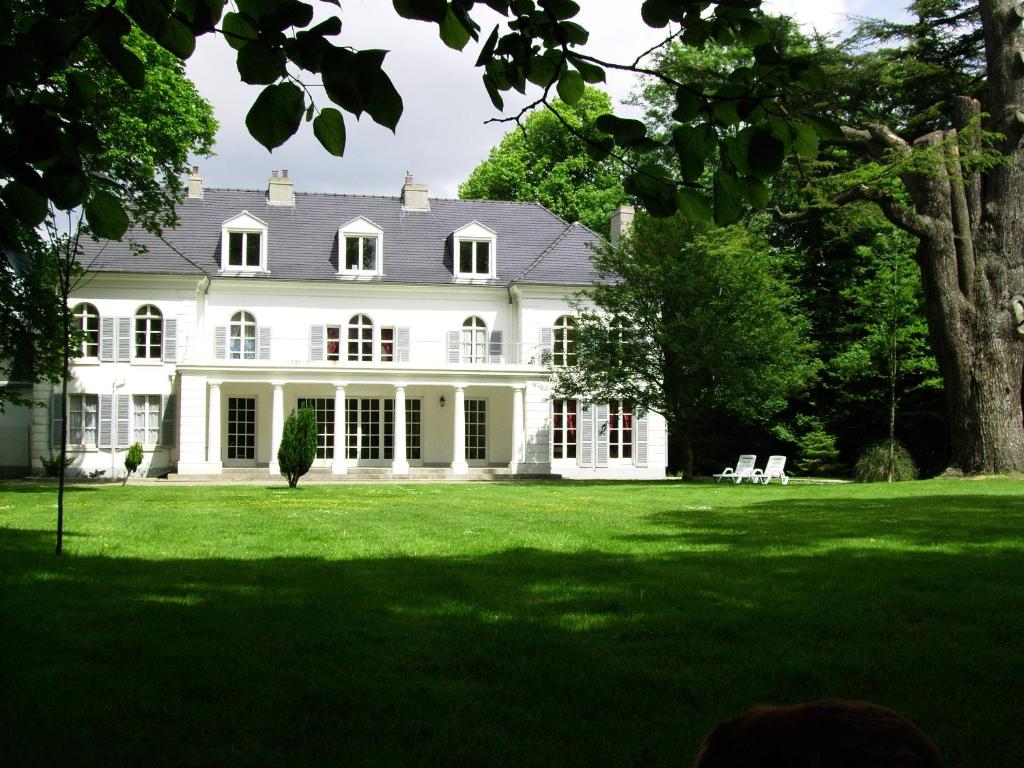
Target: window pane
{"type": "Point", "coordinates": [252, 250]}
{"type": "Point", "coordinates": [235, 249]}
{"type": "Point", "coordinates": [370, 253]}
{"type": "Point", "coordinates": [466, 256]}
{"type": "Point", "coordinates": [351, 253]}
{"type": "Point", "coordinates": [483, 258]}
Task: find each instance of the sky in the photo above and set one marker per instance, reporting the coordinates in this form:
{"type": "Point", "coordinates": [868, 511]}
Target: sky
{"type": "Point", "coordinates": [443, 133]}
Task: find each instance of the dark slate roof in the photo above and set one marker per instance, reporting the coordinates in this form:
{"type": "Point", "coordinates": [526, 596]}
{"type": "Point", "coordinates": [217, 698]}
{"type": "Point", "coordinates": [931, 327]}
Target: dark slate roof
{"type": "Point", "coordinates": [533, 245]}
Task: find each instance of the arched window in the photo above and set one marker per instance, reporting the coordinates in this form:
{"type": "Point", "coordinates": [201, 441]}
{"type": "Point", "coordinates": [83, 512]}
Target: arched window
{"type": "Point", "coordinates": [243, 336]}
{"type": "Point", "coordinates": [149, 327]}
{"type": "Point", "coordinates": [564, 338]}
{"type": "Point", "coordinates": [360, 338]}
{"type": "Point", "coordinates": [474, 341]}
{"type": "Point", "coordinates": [88, 321]}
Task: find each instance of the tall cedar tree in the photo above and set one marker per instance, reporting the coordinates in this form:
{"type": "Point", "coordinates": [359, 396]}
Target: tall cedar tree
{"type": "Point", "coordinates": [298, 445]}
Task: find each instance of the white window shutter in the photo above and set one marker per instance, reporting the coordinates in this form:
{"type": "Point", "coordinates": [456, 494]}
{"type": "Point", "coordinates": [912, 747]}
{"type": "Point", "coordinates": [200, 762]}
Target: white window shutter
{"type": "Point", "coordinates": [170, 351]}
{"type": "Point", "coordinates": [586, 435]}
{"type": "Point", "coordinates": [453, 346]}
{"type": "Point", "coordinates": [56, 421]}
{"type": "Point", "coordinates": [220, 342]}
{"type": "Point", "coordinates": [107, 339]}
{"type": "Point", "coordinates": [124, 421]}
{"type": "Point", "coordinates": [124, 339]}
{"type": "Point", "coordinates": [168, 419]}
{"type": "Point", "coordinates": [402, 345]}
{"type": "Point", "coordinates": [495, 350]}
{"type": "Point", "coordinates": [601, 433]}
{"type": "Point", "coordinates": [547, 344]}
{"type": "Point", "coordinates": [316, 343]}
{"type": "Point", "coordinates": [640, 438]}
{"type": "Point", "coordinates": [263, 334]}
{"type": "Point", "coordinates": [106, 419]}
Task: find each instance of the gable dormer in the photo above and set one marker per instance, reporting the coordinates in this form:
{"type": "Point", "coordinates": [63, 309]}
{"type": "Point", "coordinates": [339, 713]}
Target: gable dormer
{"type": "Point", "coordinates": [360, 249]}
{"type": "Point", "coordinates": [243, 244]}
{"type": "Point", "coordinates": [474, 251]}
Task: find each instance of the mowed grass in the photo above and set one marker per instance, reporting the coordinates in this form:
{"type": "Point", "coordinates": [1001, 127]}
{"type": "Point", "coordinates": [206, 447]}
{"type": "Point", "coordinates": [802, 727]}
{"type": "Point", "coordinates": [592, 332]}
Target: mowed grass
{"type": "Point", "coordinates": [534, 624]}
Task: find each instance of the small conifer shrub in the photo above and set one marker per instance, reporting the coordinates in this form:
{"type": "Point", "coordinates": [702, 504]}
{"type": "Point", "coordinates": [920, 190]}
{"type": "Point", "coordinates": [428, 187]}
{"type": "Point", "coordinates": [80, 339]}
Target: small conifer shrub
{"type": "Point", "coordinates": [132, 460]}
{"type": "Point", "coordinates": [298, 445]}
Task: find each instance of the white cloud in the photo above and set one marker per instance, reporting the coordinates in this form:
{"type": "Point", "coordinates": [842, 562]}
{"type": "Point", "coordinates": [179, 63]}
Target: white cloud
{"type": "Point", "coordinates": [443, 133]}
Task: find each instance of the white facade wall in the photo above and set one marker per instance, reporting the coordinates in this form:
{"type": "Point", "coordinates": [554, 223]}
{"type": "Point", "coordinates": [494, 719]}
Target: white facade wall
{"type": "Point", "coordinates": [287, 310]}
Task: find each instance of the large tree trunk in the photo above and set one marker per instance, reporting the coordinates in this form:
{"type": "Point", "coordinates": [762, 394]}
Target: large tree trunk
{"type": "Point", "coordinates": [971, 254]}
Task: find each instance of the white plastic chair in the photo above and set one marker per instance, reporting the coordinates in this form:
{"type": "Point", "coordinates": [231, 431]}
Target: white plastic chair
{"type": "Point", "coordinates": [744, 470]}
{"type": "Point", "coordinates": [774, 468]}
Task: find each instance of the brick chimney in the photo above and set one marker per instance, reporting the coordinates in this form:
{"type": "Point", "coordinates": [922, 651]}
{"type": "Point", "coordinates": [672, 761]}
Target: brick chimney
{"type": "Point", "coordinates": [414, 196]}
{"type": "Point", "coordinates": [622, 220]}
{"type": "Point", "coordinates": [280, 189]}
{"type": "Point", "coordinates": [195, 184]}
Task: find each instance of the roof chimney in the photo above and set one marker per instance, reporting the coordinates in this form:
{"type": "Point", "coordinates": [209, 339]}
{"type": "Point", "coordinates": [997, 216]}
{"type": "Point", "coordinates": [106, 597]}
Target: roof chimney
{"type": "Point", "coordinates": [622, 220]}
{"type": "Point", "coordinates": [195, 184]}
{"type": "Point", "coordinates": [280, 190]}
{"type": "Point", "coordinates": [414, 196]}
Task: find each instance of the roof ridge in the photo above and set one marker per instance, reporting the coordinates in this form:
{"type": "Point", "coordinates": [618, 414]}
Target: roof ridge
{"type": "Point", "coordinates": [542, 255]}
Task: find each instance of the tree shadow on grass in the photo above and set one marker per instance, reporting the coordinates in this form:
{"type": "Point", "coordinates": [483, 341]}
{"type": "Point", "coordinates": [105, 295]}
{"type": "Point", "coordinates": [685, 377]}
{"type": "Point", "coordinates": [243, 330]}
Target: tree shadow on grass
{"type": "Point", "coordinates": [523, 656]}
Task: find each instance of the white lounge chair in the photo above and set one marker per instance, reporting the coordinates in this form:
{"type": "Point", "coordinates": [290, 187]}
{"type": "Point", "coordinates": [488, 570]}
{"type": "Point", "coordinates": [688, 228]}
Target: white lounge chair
{"type": "Point", "coordinates": [744, 470]}
{"type": "Point", "coordinates": [774, 468]}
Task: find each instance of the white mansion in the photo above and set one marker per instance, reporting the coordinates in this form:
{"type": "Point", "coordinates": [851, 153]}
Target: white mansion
{"type": "Point", "coordinates": [421, 332]}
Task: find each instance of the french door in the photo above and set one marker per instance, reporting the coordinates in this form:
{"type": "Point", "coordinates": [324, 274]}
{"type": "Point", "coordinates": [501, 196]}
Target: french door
{"type": "Point", "coordinates": [370, 429]}
{"type": "Point", "coordinates": [476, 430]}
{"type": "Point", "coordinates": [241, 444]}
{"type": "Point", "coordinates": [323, 407]}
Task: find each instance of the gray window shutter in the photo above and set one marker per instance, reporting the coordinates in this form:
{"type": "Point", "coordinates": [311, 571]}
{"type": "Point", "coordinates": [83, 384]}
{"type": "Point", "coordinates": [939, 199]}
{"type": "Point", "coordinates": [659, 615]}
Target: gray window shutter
{"type": "Point", "coordinates": [56, 421]}
{"type": "Point", "coordinates": [168, 419]}
{"type": "Point", "coordinates": [401, 345]}
{"type": "Point", "coordinates": [601, 433]}
{"type": "Point", "coordinates": [124, 339]}
{"type": "Point", "coordinates": [586, 435]}
{"type": "Point", "coordinates": [495, 347]}
{"type": "Point", "coordinates": [547, 344]}
{"type": "Point", "coordinates": [316, 343]}
{"type": "Point", "coordinates": [220, 342]}
{"type": "Point", "coordinates": [263, 336]}
{"type": "Point", "coordinates": [106, 417]}
{"type": "Point", "coordinates": [170, 340]}
{"type": "Point", "coordinates": [640, 438]}
{"type": "Point", "coordinates": [107, 339]}
{"type": "Point", "coordinates": [453, 346]}
{"type": "Point", "coordinates": [124, 421]}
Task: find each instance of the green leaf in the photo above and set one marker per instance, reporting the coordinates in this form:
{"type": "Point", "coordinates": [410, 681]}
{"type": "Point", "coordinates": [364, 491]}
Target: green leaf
{"type": "Point", "coordinates": [238, 30]}
{"type": "Point", "coordinates": [729, 195]}
{"type": "Point", "coordinates": [805, 140]}
{"type": "Point", "coordinates": [688, 105]}
{"type": "Point", "coordinates": [694, 145]}
{"type": "Point", "coordinates": [127, 64]}
{"type": "Point", "coordinates": [422, 10]}
{"type": "Point", "coordinates": [591, 72]}
{"type": "Point", "coordinates": [765, 153]}
{"type": "Point", "coordinates": [488, 49]}
{"type": "Point", "coordinates": [756, 192]}
{"type": "Point", "coordinates": [106, 216]}
{"type": "Point", "coordinates": [562, 9]}
{"type": "Point", "coordinates": [656, 13]}
{"type": "Point", "coordinates": [176, 38]}
{"type": "Point", "coordinates": [655, 189]}
{"type": "Point", "coordinates": [276, 114]}
{"type": "Point", "coordinates": [383, 102]}
{"type": "Point", "coordinates": [260, 65]}
{"type": "Point", "coordinates": [148, 14]}
{"type": "Point", "coordinates": [544, 69]}
{"type": "Point", "coordinates": [329, 128]}
{"type": "Point", "coordinates": [599, 149]}
{"type": "Point", "coordinates": [752, 32]}
{"type": "Point", "coordinates": [623, 129]}
{"type": "Point", "coordinates": [26, 204]}
{"type": "Point", "coordinates": [570, 87]}
{"type": "Point", "coordinates": [829, 130]}
{"type": "Point", "coordinates": [453, 33]}
{"type": "Point", "coordinates": [693, 205]}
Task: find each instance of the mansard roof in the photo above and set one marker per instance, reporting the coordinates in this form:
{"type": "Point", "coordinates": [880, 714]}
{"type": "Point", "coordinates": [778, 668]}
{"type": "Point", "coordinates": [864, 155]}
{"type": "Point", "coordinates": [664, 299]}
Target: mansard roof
{"type": "Point", "coordinates": [534, 245]}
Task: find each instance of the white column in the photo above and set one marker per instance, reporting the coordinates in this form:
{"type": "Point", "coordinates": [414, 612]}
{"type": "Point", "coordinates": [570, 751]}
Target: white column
{"type": "Point", "coordinates": [459, 465]}
{"type": "Point", "coordinates": [518, 432]}
{"type": "Point", "coordinates": [213, 427]}
{"type": "Point", "coordinates": [340, 465]}
{"type": "Point", "coordinates": [276, 427]}
{"type": "Point", "coordinates": [400, 464]}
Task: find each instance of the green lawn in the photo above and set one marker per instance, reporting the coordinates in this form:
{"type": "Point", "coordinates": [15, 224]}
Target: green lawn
{"type": "Point", "coordinates": [541, 624]}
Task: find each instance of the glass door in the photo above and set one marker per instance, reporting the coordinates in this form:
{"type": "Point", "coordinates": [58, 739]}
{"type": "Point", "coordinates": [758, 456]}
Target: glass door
{"type": "Point", "coordinates": [241, 446]}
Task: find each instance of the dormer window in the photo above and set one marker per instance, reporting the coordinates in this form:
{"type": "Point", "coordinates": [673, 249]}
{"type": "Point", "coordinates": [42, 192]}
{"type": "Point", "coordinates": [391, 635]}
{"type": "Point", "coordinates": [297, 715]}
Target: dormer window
{"type": "Point", "coordinates": [474, 252]}
{"type": "Point", "coordinates": [360, 249]}
{"type": "Point", "coordinates": [244, 244]}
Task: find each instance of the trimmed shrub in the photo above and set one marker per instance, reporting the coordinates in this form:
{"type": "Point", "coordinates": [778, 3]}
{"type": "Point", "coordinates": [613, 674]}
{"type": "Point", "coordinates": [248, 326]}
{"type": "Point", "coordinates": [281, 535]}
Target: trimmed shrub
{"type": "Point", "coordinates": [51, 464]}
{"type": "Point", "coordinates": [132, 460]}
{"type": "Point", "coordinates": [885, 462]}
{"type": "Point", "coordinates": [298, 445]}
